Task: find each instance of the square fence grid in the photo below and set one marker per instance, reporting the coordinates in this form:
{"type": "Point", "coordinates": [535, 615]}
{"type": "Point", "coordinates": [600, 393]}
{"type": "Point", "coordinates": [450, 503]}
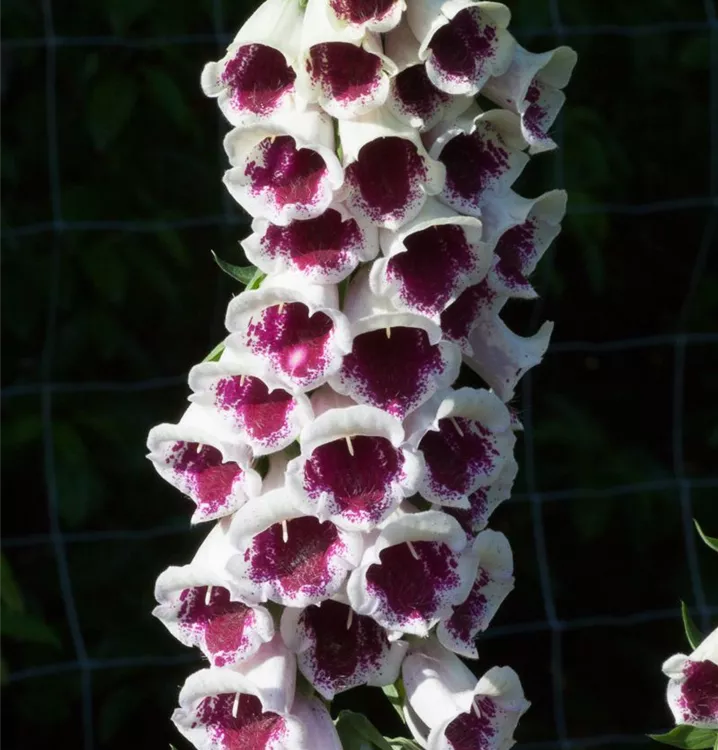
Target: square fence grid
{"type": "Point", "coordinates": [535, 498]}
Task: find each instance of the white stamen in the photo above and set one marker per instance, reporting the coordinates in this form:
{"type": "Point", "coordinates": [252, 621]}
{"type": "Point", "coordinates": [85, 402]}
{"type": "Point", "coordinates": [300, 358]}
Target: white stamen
{"type": "Point", "coordinates": [208, 596]}
{"type": "Point", "coordinates": [350, 619]}
{"type": "Point", "coordinates": [456, 425]}
{"type": "Point", "coordinates": [475, 708]}
{"type": "Point", "coordinates": [388, 332]}
{"type": "Point", "coordinates": [413, 551]}
{"type": "Point", "coordinates": [235, 706]}
{"type": "Point", "coordinates": [285, 531]}
{"type": "Point", "coordinates": [199, 447]}
{"type": "Point", "coordinates": [281, 307]}
{"type": "Point", "coordinates": [242, 378]}
{"type": "Point", "coordinates": [349, 445]}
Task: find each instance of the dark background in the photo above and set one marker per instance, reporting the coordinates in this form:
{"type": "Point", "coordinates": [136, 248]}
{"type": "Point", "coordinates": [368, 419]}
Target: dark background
{"type": "Point", "coordinates": [111, 178]}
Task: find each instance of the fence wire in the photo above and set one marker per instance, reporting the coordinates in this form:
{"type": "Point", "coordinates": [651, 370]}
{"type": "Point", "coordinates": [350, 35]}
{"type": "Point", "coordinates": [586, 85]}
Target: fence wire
{"type": "Point", "coordinates": [534, 497]}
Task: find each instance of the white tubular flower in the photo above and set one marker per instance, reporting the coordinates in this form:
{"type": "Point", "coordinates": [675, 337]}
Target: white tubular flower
{"type": "Point", "coordinates": [464, 43]}
{"type": "Point", "coordinates": [300, 335]}
{"type": "Point", "coordinates": [448, 709]}
{"type": "Point", "coordinates": [493, 584]}
{"type": "Point", "coordinates": [357, 17]}
{"type": "Point", "coordinates": [520, 248]}
{"type": "Point", "coordinates": [465, 437]}
{"type": "Point", "coordinates": [252, 404]}
{"type": "Point", "coordinates": [216, 475]}
{"type": "Point", "coordinates": [342, 68]}
{"type": "Point", "coordinates": [430, 261]}
{"type": "Point", "coordinates": [413, 573]}
{"type": "Point", "coordinates": [255, 80]}
{"type": "Point", "coordinates": [353, 469]}
{"type": "Point", "coordinates": [482, 154]}
{"type": "Point", "coordinates": [285, 169]}
{"type": "Point", "coordinates": [388, 172]}
{"type": "Point", "coordinates": [338, 650]}
{"type": "Point", "coordinates": [413, 98]}
{"type": "Point", "coordinates": [198, 608]}
{"type": "Point", "coordinates": [693, 685]}
{"type": "Point", "coordinates": [323, 250]}
{"type": "Point", "coordinates": [531, 88]}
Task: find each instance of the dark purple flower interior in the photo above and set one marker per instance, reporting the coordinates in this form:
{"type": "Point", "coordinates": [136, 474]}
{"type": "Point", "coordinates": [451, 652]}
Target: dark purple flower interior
{"type": "Point", "coordinates": [474, 518]}
{"type": "Point", "coordinates": [263, 414]}
{"type": "Point", "coordinates": [472, 164]}
{"type": "Point", "coordinates": [417, 94]}
{"type": "Point", "coordinates": [459, 318]}
{"type": "Point", "coordinates": [295, 341]}
{"type": "Point", "coordinates": [391, 372]}
{"type": "Point", "coordinates": [471, 732]}
{"type": "Point", "coordinates": [223, 622]}
{"type": "Point", "coordinates": [466, 618]}
{"type": "Point", "coordinates": [290, 175]}
{"type": "Point", "coordinates": [411, 588]}
{"type": "Point", "coordinates": [699, 698]}
{"type": "Point", "coordinates": [346, 71]}
{"type": "Point", "coordinates": [342, 655]}
{"type": "Point", "coordinates": [388, 174]}
{"type": "Point", "coordinates": [456, 453]}
{"type": "Point", "coordinates": [358, 11]}
{"type": "Point", "coordinates": [460, 48]}
{"type": "Point", "coordinates": [208, 478]}
{"type": "Point", "coordinates": [252, 728]}
{"type": "Point", "coordinates": [324, 242]}
{"type": "Point", "coordinates": [514, 251]}
{"type": "Point", "coordinates": [361, 483]}
{"type": "Point", "coordinates": [432, 267]}
{"type": "Point", "coordinates": [302, 563]}
{"type": "Point", "coordinates": [534, 117]}
{"type": "Point", "coordinates": [258, 76]}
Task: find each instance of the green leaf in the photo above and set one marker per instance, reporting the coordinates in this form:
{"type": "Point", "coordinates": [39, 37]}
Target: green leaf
{"type": "Point", "coordinates": [689, 738]}
{"type": "Point", "coordinates": [246, 275]}
{"type": "Point", "coordinates": [355, 731]}
{"type": "Point", "coordinates": [215, 354]}
{"type": "Point", "coordinates": [395, 694]}
{"type": "Point", "coordinates": [692, 633]}
{"type": "Point", "coordinates": [10, 594]}
{"type": "Point", "coordinates": [109, 107]}
{"type": "Point", "coordinates": [711, 541]}
{"type": "Point", "coordinates": [27, 628]}
{"type": "Point", "coordinates": [402, 743]}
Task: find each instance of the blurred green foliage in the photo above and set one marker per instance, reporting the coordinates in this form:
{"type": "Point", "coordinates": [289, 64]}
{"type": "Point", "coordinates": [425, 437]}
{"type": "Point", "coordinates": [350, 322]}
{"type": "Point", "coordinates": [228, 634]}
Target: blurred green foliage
{"type": "Point", "coordinates": [141, 302]}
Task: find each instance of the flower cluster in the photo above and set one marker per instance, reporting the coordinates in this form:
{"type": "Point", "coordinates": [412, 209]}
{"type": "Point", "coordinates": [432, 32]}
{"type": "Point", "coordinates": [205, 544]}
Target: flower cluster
{"type": "Point", "coordinates": [347, 483]}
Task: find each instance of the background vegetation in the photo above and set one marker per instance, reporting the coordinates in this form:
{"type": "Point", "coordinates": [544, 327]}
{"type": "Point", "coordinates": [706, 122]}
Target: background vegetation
{"type": "Point", "coordinates": [111, 167]}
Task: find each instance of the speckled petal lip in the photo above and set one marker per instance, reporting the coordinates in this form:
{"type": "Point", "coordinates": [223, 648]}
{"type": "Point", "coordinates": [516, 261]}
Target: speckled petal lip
{"type": "Point", "coordinates": [378, 16]}
{"type": "Point", "coordinates": [460, 318]}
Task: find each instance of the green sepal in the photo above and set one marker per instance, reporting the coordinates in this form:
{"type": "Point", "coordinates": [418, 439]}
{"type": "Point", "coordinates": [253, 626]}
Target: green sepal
{"type": "Point", "coordinates": [711, 541]}
{"type": "Point", "coordinates": [215, 354]}
{"type": "Point", "coordinates": [395, 694]}
{"type": "Point", "coordinates": [687, 737]}
{"type": "Point", "coordinates": [355, 731]}
{"type": "Point", "coordinates": [250, 276]}
{"type": "Point", "coordinates": [693, 635]}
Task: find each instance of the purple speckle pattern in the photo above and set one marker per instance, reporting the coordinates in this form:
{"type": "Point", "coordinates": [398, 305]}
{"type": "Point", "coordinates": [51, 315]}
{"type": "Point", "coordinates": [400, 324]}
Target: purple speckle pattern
{"type": "Point", "coordinates": [361, 11]}
{"type": "Point", "coordinates": [306, 565]}
{"type": "Point", "coordinates": [514, 252]}
{"type": "Point", "coordinates": [396, 373]}
{"type": "Point", "coordinates": [458, 456]}
{"type": "Point", "coordinates": [362, 488]}
{"type": "Point", "coordinates": [469, 617]}
{"type": "Point", "coordinates": [535, 117]}
{"type": "Point", "coordinates": [252, 728]}
{"type": "Point", "coordinates": [200, 472]}
{"type": "Point", "coordinates": [414, 95]}
{"type": "Point", "coordinates": [386, 181]}
{"type": "Point", "coordinates": [219, 624]}
{"type": "Point", "coordinates": [340, 657]}
{"type": "Point", "coordinates": [346, 74]}
{"type": "Point", "coordinates": [326, 247]}
{"type": "Point", "coordinates": [432, 269]}
{"type": "Point", "coordinates": [471, 732]}
{"type": "Point", "coordinates": [259, 79]}
{"type": "Point", "coordinates": [284, 175]}
{"type": "Point", "coordinates": [294, 343]}
{"type": "Point", "coordinates": [472, 519]}
{"type": "Point", "coordinates": [459, 318]}
{"type": "Point", "coordinates": [412, 591]}
{"type": "Point", "coordinates": [699, 692]}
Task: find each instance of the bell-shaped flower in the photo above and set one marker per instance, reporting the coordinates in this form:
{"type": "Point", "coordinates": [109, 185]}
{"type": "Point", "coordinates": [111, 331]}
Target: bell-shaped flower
{"type": "Point", "coordinates": [216, 475]}
{"type": "Point", "coordinates": [323, 250]}
{"type": "Point", "coordinates": [520, 247]}
{"type": "Point", "coordinates": [337, 649]}
{"type": "Point", "coordinates": [448, 709]}
{"type": "Point", "coordinates": [484, 501]}
{"type": "Point", "coordinates": [251, 402]}
{"type": "Point", "coordinates": [398, 360]}
{"type": "Point", "coordinates": [342, 69]}
{"type": "Point", "coordinates": [255, 80]}
{"type": "Point", "coordinates": [413, 99]}
{"type": "Point", "coordinates": [430, 261]}
{"type": "Point", "coordinates": [354, 469]}
{"type": "Point", "coordinates": [463, 42]}
{"type": "Point", "coordinates": [198, 608]}
{"type": "Point", "coordinates": [388, 173]}
{"type": "Point", "coordinates": [285, 169]}
{"type": "Point", "coordinates": [300, 335]}
{"type": "Point", "coordinates": [413, 573]}
{"type": "Point", "coordinates": [494, 582]}
{"type": "Point", "coordinates": [693, 685]}
{"type": "Point", "coordinates": [357, 17]}
{"type": "Point", "coordinates": [287, 557]}
{"type": "Point", "coordinates": [482, 154]}
{"type": "Point", "coordinates": [531, 87]}
{"type": "Point", "coordinates": [473, 305]}
{"type": "Point", "coordinates": [465, 437]}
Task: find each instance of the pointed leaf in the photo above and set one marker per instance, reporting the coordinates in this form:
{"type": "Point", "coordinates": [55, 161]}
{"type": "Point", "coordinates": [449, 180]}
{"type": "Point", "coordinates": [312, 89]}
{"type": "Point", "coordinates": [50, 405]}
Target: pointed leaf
{"type": "Point", "coordinates": [215, 354]}
{"type": "Point", "coordinates": [692, 633]}
{"type": "Point", "coordinates": [395, 694]}
{"type": "Point", "coordinates": [244, 274]}
{"type": "Point", "coordinates": [355, 730]}
{"type": "Point", "coordinates": [10, 594]}
{"type": "Point", "coordinates": [27, 628]}
{"type": "Point", "coordinates": [687, 737]}
{"type": "Point", "coordinates": [711, 541]}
